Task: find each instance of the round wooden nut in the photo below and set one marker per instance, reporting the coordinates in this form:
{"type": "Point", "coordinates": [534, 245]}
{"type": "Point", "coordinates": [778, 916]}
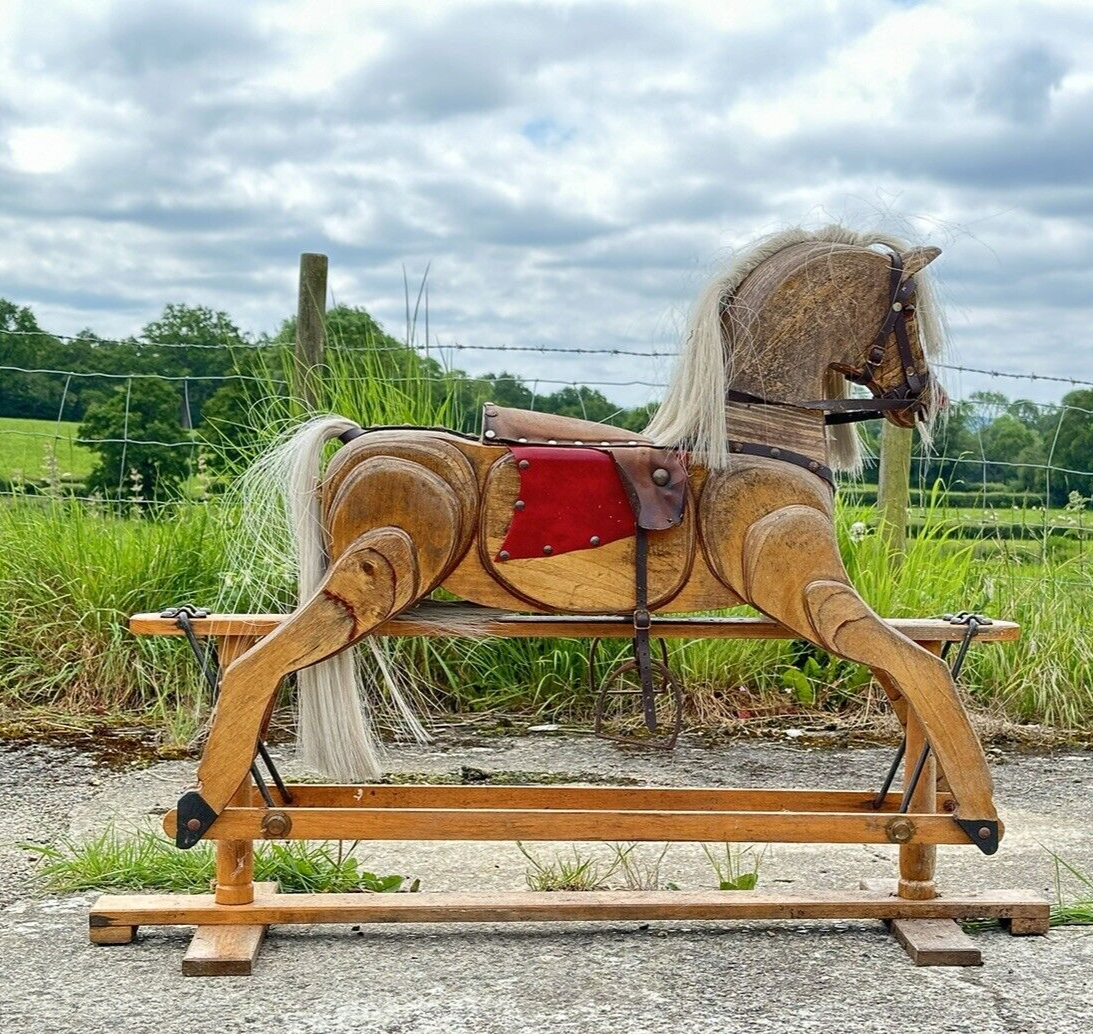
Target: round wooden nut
{"type": "Point", "coordinates": [661, 477]}
{"type": "Point", "coordinates": [276, 824]}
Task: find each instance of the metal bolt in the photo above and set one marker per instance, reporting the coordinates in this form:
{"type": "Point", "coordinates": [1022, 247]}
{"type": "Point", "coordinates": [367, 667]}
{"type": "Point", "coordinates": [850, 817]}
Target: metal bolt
{"type": "Point", "coordinates": [605, 443]}
{"type": "Point", "coordinates": [984, 832]}
{"type": "Point", "coordinates": [503, 555]}
{"type": "Point", "coordinates": [193, 825]}
{"type": "Point", "coordinates": [522, 441]}
{"type": "Point", "coordinates": [490, 411]}
{"type": "Point", "coordinates": [661, 477]}
{"type": "Point", "coordinates": [552, 441]}
{"type": "Point", "coordinates": [897, 306]}
{"type": "Point", "coordinates": [900, 830]}
{"type": "Point", "coordinates": [594, 541]}
{"type": "Point", "coordinates": [276, 824]}
{"type": "Point", "coordinates": [737, 447]}
{"type": "Point", "coordinates": [813, 465]}
{"type": "Point", "coordinates": [523, 464]}
{"type": "Point", "coordinates": [578, 442]}
{"type": "Point", "coordinates": [949, 805]}
{"type": "Point", "coordinates": [776, 451]}
{"type": "Point", "coordinates": [548, 550]}
{"type": "Point", "coordinates": [491, 434]}
{"type": "Point", "coordinates": [910, 371]}
{"type": "Point", "coordinates": [519, 504]}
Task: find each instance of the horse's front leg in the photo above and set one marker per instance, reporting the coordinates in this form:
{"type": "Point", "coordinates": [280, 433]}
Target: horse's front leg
{"type": "Point", "coordinates": [371, 581]}
{"type": "Point", "coordinates": [794, 573]}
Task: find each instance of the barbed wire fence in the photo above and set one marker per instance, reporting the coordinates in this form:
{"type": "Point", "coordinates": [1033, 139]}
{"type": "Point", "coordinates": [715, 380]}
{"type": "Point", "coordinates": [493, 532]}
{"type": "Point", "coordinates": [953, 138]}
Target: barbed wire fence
{"type": "Point", "coordinates": [1017, 510]}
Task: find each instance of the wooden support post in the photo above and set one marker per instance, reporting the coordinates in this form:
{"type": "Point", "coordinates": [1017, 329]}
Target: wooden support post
{"type": "Point", "coordinates": [310, 327]}
{"type": "Point", "coordinates": [894, 489]}
{"type": "Point", "coordinates": [917, 861]}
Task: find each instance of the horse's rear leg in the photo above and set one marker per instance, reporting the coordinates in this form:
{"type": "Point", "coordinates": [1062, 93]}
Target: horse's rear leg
{"type": "Point", "coordinates": [794, 574]}
{"type": "Point", "coordinates": [371, 581]}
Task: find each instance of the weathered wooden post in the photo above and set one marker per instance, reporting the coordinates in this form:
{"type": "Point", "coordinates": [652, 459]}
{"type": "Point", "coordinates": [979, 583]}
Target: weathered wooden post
{"type": "Point", "coordinates": [894, 488]}
{"type": "Point", "coordinates": [310, 327]}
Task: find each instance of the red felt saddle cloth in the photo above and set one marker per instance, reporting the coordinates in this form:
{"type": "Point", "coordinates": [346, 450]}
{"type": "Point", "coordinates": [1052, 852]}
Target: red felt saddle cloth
{"type": "Point", "coordinates": [570, 499]}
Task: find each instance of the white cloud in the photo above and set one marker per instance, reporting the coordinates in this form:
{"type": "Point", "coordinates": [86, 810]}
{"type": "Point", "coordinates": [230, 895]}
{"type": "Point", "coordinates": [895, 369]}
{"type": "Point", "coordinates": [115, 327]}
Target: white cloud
{"type": "Point", "coordinates": [571, 170]}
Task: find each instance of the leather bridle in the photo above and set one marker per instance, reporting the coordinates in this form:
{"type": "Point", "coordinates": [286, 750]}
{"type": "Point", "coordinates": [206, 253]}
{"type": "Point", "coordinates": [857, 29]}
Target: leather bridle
{"type": "Point", "coordinates": [905, 395]}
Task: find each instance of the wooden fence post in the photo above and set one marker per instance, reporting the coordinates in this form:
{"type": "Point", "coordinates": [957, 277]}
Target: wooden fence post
{"type": "Point", "coordinates": [310, 327]}
{"type": "Point", "coordinates": [894, 489]}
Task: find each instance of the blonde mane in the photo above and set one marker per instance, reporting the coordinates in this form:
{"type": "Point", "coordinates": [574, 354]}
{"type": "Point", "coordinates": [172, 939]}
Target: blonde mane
{"type": "Point", "coordinates": [692, 413]}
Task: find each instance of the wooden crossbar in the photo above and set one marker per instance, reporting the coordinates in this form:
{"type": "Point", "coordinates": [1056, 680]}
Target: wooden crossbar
{"type": "Point", "coordinates": [465, 619]}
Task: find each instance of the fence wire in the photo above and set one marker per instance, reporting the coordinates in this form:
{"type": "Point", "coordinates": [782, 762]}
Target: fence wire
{"type": "Point", "coordinates": [984, 481]}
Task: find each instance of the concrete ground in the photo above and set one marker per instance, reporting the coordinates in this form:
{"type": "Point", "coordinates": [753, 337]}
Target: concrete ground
{"type": "Point", "coordinates": [616, 977]}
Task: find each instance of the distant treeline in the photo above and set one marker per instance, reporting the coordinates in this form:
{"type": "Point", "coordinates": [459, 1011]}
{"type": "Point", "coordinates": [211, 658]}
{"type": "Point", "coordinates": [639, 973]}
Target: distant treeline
{"type": "Point", "coordinates": [1025, 452]}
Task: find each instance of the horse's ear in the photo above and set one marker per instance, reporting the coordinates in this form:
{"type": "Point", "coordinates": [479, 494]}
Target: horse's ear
{"type": "Point", "coordinates": [915, 259]}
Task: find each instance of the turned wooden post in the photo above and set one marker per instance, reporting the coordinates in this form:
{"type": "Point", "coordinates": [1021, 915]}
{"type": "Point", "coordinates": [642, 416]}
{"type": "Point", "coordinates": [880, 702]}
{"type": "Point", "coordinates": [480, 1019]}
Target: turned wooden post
{"type": "Point", "coordinates": [917, 862]}
{"type": "Point", "coordinates": [235, 858]}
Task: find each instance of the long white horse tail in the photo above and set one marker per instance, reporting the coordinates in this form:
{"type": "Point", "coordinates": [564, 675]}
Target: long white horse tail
{"type": "Point", "coordinates": [279, 495]}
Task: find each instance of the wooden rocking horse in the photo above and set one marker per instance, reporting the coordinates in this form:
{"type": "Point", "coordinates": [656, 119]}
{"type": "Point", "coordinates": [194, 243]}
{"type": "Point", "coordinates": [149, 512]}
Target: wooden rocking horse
{"type": "Point", "coordinates": [591, 530]}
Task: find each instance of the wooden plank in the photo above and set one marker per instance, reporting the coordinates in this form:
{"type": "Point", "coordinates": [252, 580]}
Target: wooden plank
{"type": "Point", "coordinates": [589, 798]}
{"type": "Point", "coordinates": [1024, 926]}
{"type": "Point", "coordinates": [456, 619]}
{"type": "Point", "coordinates": [936, 942]}
{"type": "Point", "coordinates": [226, 951]}
{"type": "Point", "coordinates": [562, 906]}
{"type": "Point", "coordinates": [112, 934]}
{"type": "Point", "coordinates": [567, 825]}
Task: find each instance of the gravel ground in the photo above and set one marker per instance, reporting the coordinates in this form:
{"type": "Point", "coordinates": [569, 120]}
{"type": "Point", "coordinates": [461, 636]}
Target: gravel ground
{"type": "Point", "coordinates": [611, 977]}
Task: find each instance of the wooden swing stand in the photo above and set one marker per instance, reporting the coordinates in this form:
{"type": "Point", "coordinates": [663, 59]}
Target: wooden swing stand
{"type": "Point", "coordinates": [231, 922]}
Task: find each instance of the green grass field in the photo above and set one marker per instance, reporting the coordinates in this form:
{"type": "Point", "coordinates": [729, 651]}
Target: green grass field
{"type": "Point", "coordinates": [26, 446]}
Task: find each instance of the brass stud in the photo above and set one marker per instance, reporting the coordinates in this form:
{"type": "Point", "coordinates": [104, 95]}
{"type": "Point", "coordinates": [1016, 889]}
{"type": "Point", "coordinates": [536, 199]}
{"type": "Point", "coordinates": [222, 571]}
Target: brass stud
{"type": "Point", "coordinates": [661, 477]}
{"type": "Point", "coordinates": [504, 555]}
{"type": "Point", "coordinates": [594, 541]}
{"type": "Point", "coordinates": [523, 464]}
{"type": "Point", "coordinates": [548, 550]}
{"type": "Point", "coordinates": [519, 504]}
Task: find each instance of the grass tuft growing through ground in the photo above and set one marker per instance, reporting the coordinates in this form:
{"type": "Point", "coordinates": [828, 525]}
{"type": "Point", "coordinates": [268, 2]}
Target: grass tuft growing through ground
{"type": "Point", "coordinates": [146, 860]}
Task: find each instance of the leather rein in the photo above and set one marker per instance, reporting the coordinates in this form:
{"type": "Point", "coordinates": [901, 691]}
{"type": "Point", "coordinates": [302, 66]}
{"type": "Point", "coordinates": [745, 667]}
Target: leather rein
{"type": "Point", "coordinates": [903, 396]}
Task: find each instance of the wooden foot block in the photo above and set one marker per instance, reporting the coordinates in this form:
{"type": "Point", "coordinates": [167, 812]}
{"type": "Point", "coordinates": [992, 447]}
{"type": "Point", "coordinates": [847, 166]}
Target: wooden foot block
{"type": "Point", "coordinates": [936, 942]}
{"type": "Point", "coordinates": [112, 934]}
{"type": "Point", "coordinates": [1035, 926]}
{"type": "Point", "coordinates": [225, 951]}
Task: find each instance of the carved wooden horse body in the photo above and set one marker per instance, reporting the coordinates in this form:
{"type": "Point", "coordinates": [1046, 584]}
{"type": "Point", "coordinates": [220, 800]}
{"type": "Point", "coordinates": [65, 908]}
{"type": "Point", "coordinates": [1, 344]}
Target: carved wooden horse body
{"type": "Point", "coordinates": [407, 511]}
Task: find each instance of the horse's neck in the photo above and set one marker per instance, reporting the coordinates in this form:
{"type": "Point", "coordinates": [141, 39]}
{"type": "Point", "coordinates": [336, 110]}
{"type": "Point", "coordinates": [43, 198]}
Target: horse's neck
{"type": "Point", "coordinates": [801, 430]}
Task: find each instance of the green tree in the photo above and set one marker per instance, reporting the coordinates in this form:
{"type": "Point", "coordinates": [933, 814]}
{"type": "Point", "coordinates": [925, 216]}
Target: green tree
{"type": "Point", "coordinates": [1073, 446]}
{"type": "Point", "coordinates": [132, 431]}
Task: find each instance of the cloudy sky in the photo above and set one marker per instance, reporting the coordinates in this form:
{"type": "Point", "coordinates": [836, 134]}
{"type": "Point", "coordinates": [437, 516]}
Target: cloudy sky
{"type": "Point", "coordinates": [572, 171]}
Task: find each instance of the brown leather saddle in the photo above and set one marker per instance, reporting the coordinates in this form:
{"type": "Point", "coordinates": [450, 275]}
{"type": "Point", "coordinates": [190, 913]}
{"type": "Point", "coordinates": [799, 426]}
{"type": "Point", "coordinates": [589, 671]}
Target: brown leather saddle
{"type": "Point", "coordinates": [655, 481]}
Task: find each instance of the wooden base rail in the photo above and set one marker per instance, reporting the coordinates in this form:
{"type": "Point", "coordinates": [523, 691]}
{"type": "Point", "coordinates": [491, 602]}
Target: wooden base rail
{"type": "Point", "coordinates": [229, 936]}
{"type": "Point", "coordinates": [584, 814]}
